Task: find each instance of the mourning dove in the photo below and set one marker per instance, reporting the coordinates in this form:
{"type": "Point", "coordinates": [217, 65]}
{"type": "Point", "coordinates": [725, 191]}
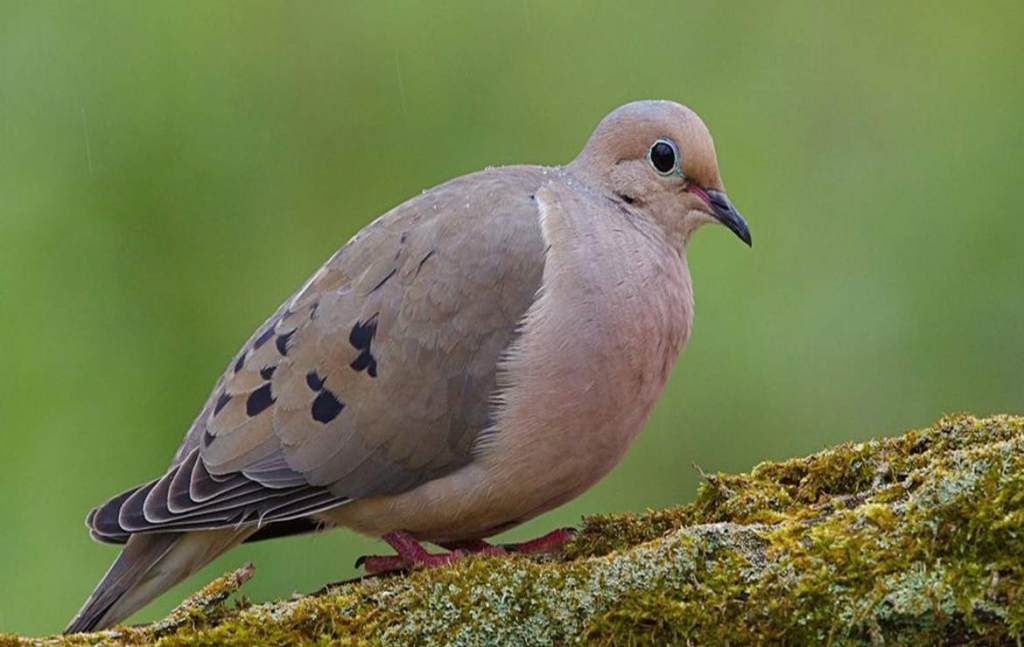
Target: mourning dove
{"type": "Point", "coordinates": [476, 356]}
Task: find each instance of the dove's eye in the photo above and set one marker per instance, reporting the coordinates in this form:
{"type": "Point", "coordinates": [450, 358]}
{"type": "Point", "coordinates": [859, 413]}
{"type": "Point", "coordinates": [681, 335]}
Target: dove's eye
{"type": "Point", "coordinates": [664, 157]}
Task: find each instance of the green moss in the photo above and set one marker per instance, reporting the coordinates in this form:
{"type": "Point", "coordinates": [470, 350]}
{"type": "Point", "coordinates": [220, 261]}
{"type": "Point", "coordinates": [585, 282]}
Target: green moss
{"type": "Point", "coordinates": [912, 540]}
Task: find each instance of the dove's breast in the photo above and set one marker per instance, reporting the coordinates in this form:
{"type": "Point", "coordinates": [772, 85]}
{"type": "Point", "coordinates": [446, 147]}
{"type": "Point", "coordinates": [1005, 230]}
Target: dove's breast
{"type": "Point", "coordinates": [596, 351]}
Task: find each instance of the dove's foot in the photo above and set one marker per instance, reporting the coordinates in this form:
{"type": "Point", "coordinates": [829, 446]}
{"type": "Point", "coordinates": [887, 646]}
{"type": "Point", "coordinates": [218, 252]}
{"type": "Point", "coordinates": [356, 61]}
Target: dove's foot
{"type": "Point", "coordinates": [548, 543]}
{"type": "Point", "coordinates": [410, 555]}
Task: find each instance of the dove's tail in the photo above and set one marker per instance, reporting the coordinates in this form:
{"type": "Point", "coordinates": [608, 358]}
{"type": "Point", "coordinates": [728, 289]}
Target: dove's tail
{"type": "Point", "coordinates": [150, 564]}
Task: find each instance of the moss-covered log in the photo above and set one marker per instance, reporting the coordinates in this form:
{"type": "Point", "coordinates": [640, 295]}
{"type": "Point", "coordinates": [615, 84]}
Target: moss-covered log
{"type": "Point", "coordinates": [911, 540]}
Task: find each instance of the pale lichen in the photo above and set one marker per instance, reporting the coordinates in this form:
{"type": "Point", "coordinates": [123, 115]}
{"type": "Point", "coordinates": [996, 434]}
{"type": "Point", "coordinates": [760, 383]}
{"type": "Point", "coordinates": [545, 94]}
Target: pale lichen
{"type": "Point", "coordinates": [917, 539]}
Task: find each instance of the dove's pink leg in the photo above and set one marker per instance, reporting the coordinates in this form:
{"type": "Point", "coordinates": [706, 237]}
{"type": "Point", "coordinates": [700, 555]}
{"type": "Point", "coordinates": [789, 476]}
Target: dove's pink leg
{"type": "Point", "coordinates": [544, 544]}
{"type": "Point", "coordinates": [410, 554]}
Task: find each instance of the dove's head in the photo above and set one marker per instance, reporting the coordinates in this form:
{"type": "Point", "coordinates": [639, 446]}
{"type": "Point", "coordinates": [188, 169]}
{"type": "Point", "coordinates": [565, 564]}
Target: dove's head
{"type": "Point", "coordinates": [658, 157]}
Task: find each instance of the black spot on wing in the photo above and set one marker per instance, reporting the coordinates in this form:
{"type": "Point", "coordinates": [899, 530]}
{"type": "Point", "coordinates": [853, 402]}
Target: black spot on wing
{"type": "Point", "coordinates": [326, 407]}
{"type": "Point", "coordinates": [362, 361]}
{"type": "Point", "coordinates": [264, 337]}
{"type": "Point", "coordinates": [221, 402]}
{"type": "Point", "coordinates": [267, 372]}
{"type": "Point", "coordinates": [361, 339]}
{"type": "Point", "coordinates": [240, 363]}
{"type": "Point", "coordinates": [207, 438]}
{"type": "Point", "coordinates": [259, 400]}
{"type": "Point", "coordinates": [282, 342]}
{"type": "Point", "coordinates": [362, 333]}
{"type": "Point", "coordinates": [314, 381]}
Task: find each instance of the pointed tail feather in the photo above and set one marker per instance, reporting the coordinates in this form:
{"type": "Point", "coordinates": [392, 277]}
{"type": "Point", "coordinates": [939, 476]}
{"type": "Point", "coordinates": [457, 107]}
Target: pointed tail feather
{"type": "Point", "coordinates": [150, 564]}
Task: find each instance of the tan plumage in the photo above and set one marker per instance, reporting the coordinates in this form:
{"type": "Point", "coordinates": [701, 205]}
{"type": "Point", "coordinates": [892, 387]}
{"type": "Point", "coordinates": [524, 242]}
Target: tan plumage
{"type": "Point", "coordinates": [477, 356]}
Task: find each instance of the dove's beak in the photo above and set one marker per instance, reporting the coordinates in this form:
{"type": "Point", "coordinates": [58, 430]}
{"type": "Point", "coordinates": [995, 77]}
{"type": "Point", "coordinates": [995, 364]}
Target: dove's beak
{"type": "Point", "coordinates": [724, 212]}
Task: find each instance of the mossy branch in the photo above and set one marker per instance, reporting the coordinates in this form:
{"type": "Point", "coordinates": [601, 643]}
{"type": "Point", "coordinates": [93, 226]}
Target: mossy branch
{"type": "Point", "coordinates": [911, 540]}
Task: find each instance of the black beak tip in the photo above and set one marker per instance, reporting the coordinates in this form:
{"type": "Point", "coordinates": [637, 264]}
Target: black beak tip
{"type": "Point", "coordinates": [745, 237]}
{"type": "Point", "coordinates": [728, 216]}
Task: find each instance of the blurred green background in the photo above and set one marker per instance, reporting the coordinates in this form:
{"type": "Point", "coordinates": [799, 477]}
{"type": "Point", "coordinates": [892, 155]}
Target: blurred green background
{"type": "Point", "coordinates": [170, 173]}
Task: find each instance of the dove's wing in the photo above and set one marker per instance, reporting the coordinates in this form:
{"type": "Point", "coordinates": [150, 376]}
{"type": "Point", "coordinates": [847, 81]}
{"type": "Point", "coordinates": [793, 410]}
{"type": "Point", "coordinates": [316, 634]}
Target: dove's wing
{"type": "Point", "coordinates": [376, 376]}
